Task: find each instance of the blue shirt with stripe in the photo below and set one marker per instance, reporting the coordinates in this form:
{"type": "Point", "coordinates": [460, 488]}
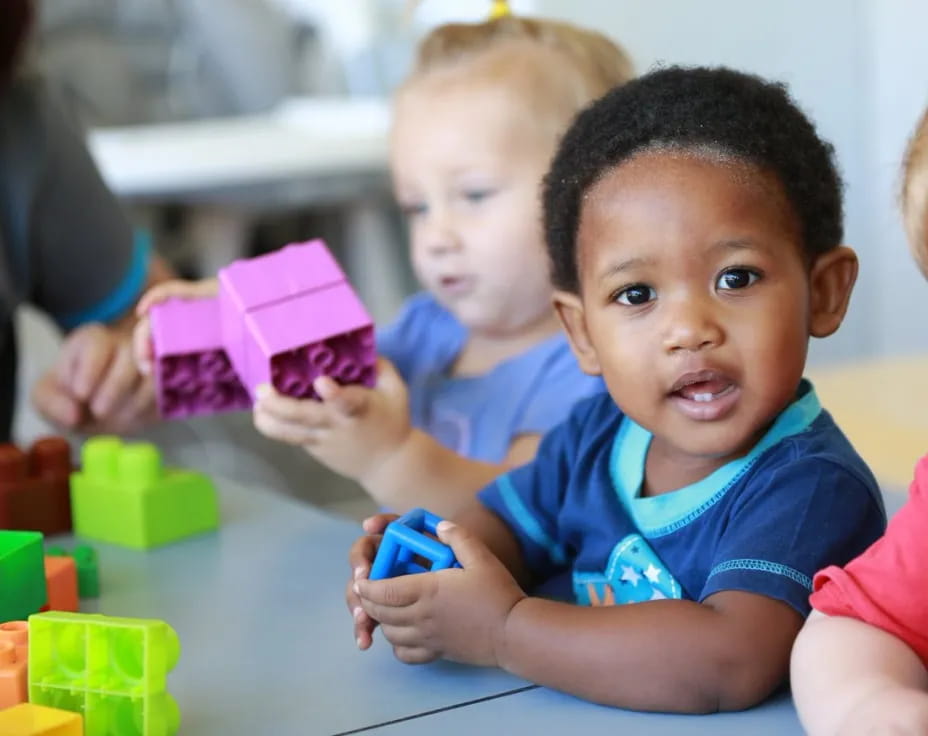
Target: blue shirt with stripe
{"type": "Point", "coordinates": [765, 523]}
{"type": "Point", "coordinates": [479, 416]}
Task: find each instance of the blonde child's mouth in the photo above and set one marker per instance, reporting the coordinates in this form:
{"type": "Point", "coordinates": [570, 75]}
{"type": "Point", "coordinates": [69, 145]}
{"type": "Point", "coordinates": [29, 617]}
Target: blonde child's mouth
{"type": "Point", "coordinates": [456, 285]}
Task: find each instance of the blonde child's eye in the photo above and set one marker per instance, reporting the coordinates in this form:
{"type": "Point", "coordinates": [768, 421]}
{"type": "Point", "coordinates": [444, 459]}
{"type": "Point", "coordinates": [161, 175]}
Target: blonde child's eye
{"type": "Point", "coordinates": [412, 210]}
{"type": "Point", "coordinates": [478, 195]}
{"type": "Point", "coordinates": [635, 295]}
{"type": "Point", "coordinates": [736, 278]}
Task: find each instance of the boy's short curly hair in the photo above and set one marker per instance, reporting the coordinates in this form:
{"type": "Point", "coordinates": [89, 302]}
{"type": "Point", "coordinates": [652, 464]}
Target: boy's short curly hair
{"type": "Point", "coordinates": [915, 192]}
{"type": "Point", "coordinates": [713, 109]}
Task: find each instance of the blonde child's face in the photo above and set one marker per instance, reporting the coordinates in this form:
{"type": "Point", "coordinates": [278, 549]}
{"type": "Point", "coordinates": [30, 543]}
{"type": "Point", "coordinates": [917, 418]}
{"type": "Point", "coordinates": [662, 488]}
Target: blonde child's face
{"type": "Point", "coordinates": [467, 162]}
{"type": "Point", "coordinates": [695, 299]}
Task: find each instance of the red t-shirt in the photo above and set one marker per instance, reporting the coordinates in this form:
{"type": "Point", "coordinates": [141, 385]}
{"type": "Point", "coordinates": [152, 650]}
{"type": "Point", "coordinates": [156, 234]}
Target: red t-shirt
{"type": "Point", "coordinates": [887, 586]}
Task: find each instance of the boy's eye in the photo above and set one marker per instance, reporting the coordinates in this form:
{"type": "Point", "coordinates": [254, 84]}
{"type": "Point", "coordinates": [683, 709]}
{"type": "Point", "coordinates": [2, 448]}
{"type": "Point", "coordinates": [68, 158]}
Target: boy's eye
{"type": "Point", "coordinates": [635, 295]}
{"type": "Point", "coordinates": [736, 278]}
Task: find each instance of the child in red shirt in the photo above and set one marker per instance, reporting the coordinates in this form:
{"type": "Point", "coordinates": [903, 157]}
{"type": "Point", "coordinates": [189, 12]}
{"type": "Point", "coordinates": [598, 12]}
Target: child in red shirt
{"type": "Point", "coordinates": [860, 664]}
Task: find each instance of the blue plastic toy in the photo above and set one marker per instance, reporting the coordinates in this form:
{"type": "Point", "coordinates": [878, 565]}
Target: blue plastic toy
{"type": "Point", "coordinates": [406, 538]}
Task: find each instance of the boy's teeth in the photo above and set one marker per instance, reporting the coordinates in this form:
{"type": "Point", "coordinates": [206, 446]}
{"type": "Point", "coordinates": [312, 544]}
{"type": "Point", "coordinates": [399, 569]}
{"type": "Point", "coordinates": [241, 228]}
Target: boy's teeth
{"type": "Point", "coordinates": [702, 397]}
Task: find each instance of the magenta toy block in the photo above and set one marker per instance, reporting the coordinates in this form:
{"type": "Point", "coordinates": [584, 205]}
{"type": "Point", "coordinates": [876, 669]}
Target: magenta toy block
{"type": "Point", "coordinates": [192, 370]}
{"type": "Point", "coordinates": [291, 316]}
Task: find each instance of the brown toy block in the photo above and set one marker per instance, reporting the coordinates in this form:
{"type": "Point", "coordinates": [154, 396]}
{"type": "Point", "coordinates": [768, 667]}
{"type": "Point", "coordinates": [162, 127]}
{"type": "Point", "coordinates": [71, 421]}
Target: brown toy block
{"type": "Point", "coordinates": [35, 487]}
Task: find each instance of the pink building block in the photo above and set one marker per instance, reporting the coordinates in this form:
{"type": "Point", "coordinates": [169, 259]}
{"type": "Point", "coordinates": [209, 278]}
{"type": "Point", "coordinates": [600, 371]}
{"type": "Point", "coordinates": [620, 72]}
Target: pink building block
{"type": "Point", "coordinates": [291, 316]}
{"type": "Point", "coordinates": [192, 369]}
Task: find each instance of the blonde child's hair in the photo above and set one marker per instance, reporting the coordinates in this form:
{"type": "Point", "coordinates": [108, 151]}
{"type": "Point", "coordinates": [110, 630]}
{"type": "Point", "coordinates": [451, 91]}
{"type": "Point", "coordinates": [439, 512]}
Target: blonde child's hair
{"type": "Point", "coordinates": [915, 193]}
{"type": "Point", "coordinates": [582, 66]}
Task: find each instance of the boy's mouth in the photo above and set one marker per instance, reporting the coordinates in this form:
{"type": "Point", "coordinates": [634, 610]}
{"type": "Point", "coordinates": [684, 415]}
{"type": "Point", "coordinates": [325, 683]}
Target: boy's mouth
{"type": "Point", "coordinates": [705, 395]}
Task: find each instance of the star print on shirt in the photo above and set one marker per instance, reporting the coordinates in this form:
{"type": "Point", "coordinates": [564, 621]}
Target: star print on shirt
{"type": "Point", "coordinates": [633, 574]}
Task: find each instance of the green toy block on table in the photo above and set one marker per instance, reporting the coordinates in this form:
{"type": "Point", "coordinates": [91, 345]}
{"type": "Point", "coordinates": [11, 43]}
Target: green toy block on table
{"type": "Point", "coordinates": [22, 574]}
{"type": "Point", "coordinates": [88, 572]}
{"type": "Point", "coordinates": [123, 495]}
{"type": "Point", "coordinates": [112, 670]}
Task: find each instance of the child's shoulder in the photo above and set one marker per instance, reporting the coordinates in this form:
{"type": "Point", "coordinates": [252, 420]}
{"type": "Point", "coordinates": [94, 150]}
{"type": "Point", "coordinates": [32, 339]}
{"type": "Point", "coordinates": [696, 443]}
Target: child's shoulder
{"type": "Point", "coordinates": [820, 458]}
{"type": "Point", "coordinates": [423, 334]}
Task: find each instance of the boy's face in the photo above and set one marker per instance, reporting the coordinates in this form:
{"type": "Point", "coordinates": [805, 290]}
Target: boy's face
{"type": "Point", "coordinates": [467, 162]}
{"type": "Point", "coordinates": [696, 304]}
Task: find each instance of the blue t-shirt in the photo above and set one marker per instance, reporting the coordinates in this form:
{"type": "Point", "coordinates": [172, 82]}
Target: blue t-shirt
{"type": "Point", "coordinates": [479, 416]}
{"type": "Point", "coordinates": [765, 523]}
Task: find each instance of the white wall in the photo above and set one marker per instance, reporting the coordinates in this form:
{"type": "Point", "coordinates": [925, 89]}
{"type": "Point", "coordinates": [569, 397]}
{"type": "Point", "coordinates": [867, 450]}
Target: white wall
{"type": "Point", "coordinates": [860, 69]}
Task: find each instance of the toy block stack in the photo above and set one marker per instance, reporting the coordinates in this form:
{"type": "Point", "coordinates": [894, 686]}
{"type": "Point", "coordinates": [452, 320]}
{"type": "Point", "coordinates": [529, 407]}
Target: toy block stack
{"type": "Point", "coordinates": [408, 541]}
{"type": "Point", "coordinates": [123, 495]}
{"type": "Point", "coordinates": [284, 318]}
{"type": "Point", "coordinates": [192, 370]}
{"type": "Point", "coordinates": [34, 492]}
{"type": "Point", "coordinates": [111, 670]}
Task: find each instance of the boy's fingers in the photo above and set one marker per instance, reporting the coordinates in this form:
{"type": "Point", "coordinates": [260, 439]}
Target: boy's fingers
{"type": "Point", "coordinates": [361, 556]}
{"type": "Point", "coordinates": [176, 288]}
{"type": "Point", "coordinates": [377, 523]}
{"type": "Point", "coordinates": [467, 548]}
{"type": "Point", "coordinates": [398, 592]}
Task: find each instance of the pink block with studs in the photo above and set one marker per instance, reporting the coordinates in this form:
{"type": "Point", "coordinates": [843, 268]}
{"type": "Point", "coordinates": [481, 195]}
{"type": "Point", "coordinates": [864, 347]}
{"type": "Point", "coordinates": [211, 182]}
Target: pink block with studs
{"type": "Point", "coordinates": [291, 316]}
{"type": "Point", "coordinates": [193, 373]}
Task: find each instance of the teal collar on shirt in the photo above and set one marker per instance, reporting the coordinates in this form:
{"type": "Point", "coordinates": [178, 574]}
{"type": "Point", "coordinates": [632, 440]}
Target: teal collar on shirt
{"type": "Point", "coordinates": [656, 516]}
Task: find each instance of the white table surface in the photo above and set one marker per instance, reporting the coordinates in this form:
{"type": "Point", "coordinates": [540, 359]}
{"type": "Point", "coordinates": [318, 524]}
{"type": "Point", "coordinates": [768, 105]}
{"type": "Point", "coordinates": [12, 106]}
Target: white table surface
{"type": "Point", "coordinates": [318, 141]}
{"type": "Point", "coordinates": [266, 640]}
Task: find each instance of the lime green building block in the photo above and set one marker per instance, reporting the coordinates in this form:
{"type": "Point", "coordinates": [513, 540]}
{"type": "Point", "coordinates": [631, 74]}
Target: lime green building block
{"type": "Point", "coordinates": [111, 670]}
{"type": "Point", "coordinates": [88, 572]}
{"type": "Point", "coordinates": [22, 574]}
{"type": "Point", "coordinates": [123, 495]}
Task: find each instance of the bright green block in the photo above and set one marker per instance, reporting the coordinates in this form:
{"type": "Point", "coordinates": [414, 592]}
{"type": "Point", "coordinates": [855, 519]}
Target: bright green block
{"type": "Point", "coordinates": [88, 573]}
{"type": "Point", "coordinates": [124, 496]}
{"type": "Point", "coordinates": [113, 670]}
{"type": "Point", "coordinates": [22, 575]}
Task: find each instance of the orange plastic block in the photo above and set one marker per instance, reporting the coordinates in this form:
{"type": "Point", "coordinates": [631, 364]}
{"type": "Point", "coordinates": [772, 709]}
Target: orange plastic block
{"type": "Point", "coordinates": [14, 656]}
{"type": "Point", "coordinates": [61, 583]}
{"type": "Point", "coordinates": [28, 719]}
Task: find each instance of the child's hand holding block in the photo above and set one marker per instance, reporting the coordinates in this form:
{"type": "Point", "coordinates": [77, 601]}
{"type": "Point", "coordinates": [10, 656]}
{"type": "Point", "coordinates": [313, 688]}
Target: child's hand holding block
{"type": "Point", "coordinates": [406, 538]}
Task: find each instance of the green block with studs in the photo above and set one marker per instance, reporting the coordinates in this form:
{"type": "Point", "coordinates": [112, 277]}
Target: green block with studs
{"type": "Point", "coordinates": [22, 574]}
{"type": "Point", "coordinates": [123, 495]}
{"type": "Point", "coordinates": [112, 670]}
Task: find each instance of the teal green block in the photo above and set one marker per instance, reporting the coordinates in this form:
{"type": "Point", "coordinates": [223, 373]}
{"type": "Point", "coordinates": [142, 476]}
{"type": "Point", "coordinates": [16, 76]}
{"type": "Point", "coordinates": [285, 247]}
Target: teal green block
{"type": "Point", "coordinates": [123, 495]}
{"type": "Point", "coordinates": [88, 572]}
{"type": "Point", "coordinates": [112, 670]}
{"type": "Point", "coordinates": [22, 574]}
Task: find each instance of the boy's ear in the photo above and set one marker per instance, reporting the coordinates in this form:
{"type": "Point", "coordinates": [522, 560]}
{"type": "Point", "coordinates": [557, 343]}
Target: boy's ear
{"type": "Point", "coordinates": [569, 308]}
{"type": "Point", "coordinates": [831, 280]}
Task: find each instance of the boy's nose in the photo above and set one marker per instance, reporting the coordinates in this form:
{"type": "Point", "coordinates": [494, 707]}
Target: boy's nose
{"type": "Point", "coordinates": [692, 326]}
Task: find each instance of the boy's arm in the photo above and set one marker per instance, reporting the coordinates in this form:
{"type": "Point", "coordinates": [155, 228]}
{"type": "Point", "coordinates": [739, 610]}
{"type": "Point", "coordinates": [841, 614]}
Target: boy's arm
{"type": "Point", "coordinates": [845, 672]}
{"type": "Point", "coordinates": [726, 653]}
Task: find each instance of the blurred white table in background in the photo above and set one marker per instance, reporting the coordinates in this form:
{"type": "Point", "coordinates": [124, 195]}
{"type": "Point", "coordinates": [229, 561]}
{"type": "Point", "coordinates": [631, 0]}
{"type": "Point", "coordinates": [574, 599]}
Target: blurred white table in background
{"type": "Point", "coordinates": [305, 153]}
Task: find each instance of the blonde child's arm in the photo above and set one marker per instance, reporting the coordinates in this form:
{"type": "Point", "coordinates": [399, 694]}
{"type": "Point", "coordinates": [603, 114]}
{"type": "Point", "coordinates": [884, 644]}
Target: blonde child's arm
{"type": "Point", "coordinates": [850, 677]}
{"type": "Point", "coordinates": [365, 434]}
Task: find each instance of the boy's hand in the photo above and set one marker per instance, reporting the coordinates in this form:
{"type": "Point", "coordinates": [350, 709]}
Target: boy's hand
{"type": "Point", "coordinates": [94, 386]}
{"type": "Point", "coordinates": [353, 430]}
{"type": "Point", "coordinates": [457, 614]}
{"type": "Point", "coordinates": [361, 558]}
{"type": "Point", "coordinates": [141, 337]}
